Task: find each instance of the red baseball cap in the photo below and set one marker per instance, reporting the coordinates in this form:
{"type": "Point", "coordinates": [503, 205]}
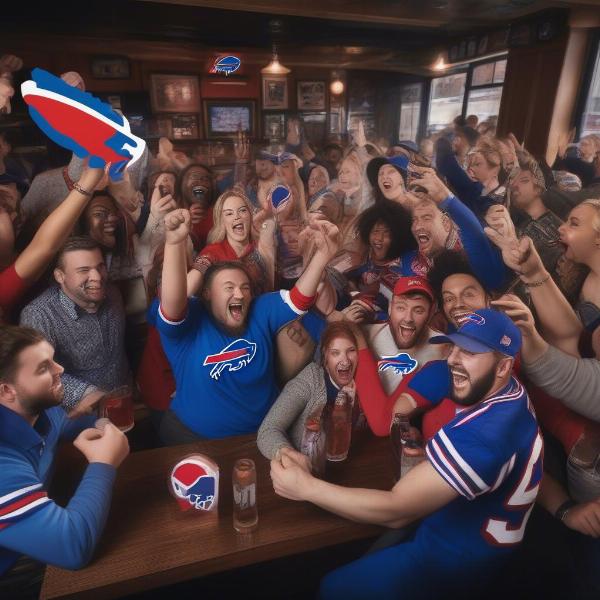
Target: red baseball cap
{"type": "Point", "coordinates": [413, 283]}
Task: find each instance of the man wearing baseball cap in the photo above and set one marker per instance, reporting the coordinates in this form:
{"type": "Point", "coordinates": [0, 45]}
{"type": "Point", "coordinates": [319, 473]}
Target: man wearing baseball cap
{"type": "Point", "coordinates": [474, 493]}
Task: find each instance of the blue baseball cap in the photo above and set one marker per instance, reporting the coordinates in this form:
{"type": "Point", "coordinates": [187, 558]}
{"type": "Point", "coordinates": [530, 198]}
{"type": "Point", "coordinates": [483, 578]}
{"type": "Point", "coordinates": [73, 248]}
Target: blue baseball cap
{"type": "Point", "coordinates": [485, 330]}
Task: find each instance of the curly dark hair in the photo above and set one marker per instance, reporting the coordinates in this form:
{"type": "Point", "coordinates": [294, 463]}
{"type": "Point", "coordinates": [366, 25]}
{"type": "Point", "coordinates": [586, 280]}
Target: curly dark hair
{"type": "Point", "coordinates": [397, 218]}
{"type": "Point", "coordinates": [446, 263]}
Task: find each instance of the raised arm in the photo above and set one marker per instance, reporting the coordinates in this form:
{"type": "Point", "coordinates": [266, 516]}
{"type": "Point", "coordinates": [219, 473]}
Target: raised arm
{"type": "Point", "coordinates": [174, 273]}
{"type": "Point", "coordinates": [30, 264]}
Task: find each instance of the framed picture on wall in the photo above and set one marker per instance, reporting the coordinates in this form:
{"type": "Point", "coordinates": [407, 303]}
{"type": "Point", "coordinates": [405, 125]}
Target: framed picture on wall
{"type": "Point", "coordinates": [223, 118]}
{"type": "Point", "coordinates": [315, 127]}
{"type": "Point", "coordinates": [110, 67]}
{"type": "Point", "coordinates": [274, 92]}
{"type": "Point", "coordinates": [311, 95]}
{"type": "Point", "coordinates": [174, 93]}
{"type": "Point", "coordinates": [185, 127]}
{"type": "Point", "coordinates": [274, 126]}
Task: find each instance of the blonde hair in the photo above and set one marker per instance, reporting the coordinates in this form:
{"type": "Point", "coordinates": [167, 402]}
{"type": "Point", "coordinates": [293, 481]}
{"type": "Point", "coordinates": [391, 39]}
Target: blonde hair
{"type": "Point", "coordinates": [594, 138]}
{"type": "Point", "coordinates": [490, 150]}
{"type": "Point", "coordinates": [595, 204]}
{"type": "Point", "coordinates": [218, 232]}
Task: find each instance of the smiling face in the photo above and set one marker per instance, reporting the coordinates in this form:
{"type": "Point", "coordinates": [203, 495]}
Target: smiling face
{"type": "Point", "coordinates": [197, 182]}
{"type": "Point", "coordinates": [229, 297]}
{"type": "Point", "coordinates": [472, 375]}
{"type": "Point", "coordinates": [390, 182]}
{"type": "Point", "coordinates": [36, 381]}
{"type": "Point", "coordinates": [82, 276]}
{"type": "Point", "coordinates": [349, 175]}
{"type": "Point", "coordinates": [409, 316]}
{"type": "Point", "coordinates": [579, 236]}
{"type": "Point", "coordinates": [317, 180]}
{"type": "Point", "coordinates": [237, 220]}
{"type": "Point", "coordinates": [380, 240]}
{"type": "Point", "coordinates": [101, 220]}
{"type": "Point", "coordinates": [430, 227]}
{"type": "Point", "coordinates": [341, 358]}
{"type": "Point", "coordinates": [480, 170]}
{"type": "Point", "coordinates": [461, 295]}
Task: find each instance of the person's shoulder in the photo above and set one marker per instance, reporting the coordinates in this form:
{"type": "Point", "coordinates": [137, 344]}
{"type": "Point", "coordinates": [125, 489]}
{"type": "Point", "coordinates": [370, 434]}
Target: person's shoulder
{"type": "Point", "coordinates": [43, 303]}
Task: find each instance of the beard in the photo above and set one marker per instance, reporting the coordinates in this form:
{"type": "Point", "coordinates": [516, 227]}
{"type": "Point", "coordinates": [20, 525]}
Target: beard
{"type": "Point", "coordinates": [232, 331]}
{"type": "Point", "coordinates": [38, 403]}
{"type": "Point", "coordinates": [479, 389]}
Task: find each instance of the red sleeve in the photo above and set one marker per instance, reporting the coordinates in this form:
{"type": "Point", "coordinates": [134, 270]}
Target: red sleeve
{"type": "Point", "coordinates": [299, 300]}
{"type": "Point", "coordinates": [376, 404]}
{"type": "Point", "coordinates": [12, 288]}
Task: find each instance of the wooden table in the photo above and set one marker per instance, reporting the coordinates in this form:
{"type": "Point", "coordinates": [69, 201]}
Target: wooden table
{"type": "Point", "coordinates": [148, 542]}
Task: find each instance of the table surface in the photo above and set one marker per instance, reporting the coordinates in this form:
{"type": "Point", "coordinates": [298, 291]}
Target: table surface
{"type": "Point", "coordinates": [149, 542]}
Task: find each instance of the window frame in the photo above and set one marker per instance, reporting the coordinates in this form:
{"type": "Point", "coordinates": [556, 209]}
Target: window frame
{"type": "Point", "coordinates": [593, 56]}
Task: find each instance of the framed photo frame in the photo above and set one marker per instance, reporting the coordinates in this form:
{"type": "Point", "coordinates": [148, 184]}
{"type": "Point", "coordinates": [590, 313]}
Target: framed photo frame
{"type": "Point", "coordinates": [311, 95]}
{"type": "Point", "coordinates": [185, 127]}
{"type": "Point", "coordinates": [111, 67]}
{"type": "Point", "coordinates": [274, 126]}
{"type": "Point", "coordinates": [274, 92]}
{"type": "Point", "coordinates": [223, 118]}
{"type": "Point", "coordinates": [174, 93]}
{"type": "Point", "coordinates": [315, 127]}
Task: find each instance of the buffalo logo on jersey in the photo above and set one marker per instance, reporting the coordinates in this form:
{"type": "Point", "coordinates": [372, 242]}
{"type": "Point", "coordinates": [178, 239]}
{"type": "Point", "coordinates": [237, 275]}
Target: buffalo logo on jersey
{"type": "Point", "coordinates": [233, 357]}
{"type": "Point", "coordinates": [81, 123]}
{"type": "Point", "coordinates": [194, 484]}
{"type": "Point", "coordinates": [474, 318]}
{"type": "Point", "coordinates": [401, 364]}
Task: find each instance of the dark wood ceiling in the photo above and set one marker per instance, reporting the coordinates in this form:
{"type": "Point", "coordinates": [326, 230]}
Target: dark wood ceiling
{"type": "Point", "coordinates": [400, 35]}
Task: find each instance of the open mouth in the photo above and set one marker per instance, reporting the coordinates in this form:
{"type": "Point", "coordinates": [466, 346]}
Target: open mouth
{"type": "Point", "coordinates": [407, 331]}
{"type": "Point", "coordinates": [459, 316]}
{"type": "Point", "coordinates": [459, 379]}
{"type": "Point", "coordinates": [236, 310]}
{"type": "Point", "coordinates": [239, 228]}
{"type": "Point", "coordinates": [387, 185]}
{"type": "Point", "coordinates": [109, 229]}
{"type": "Point", "coordinates": [344, 372]}
{"type": "Point", "coordinates": [422, 239]}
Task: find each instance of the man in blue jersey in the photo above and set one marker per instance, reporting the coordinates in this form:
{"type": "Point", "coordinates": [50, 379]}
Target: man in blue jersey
{"type": "Point", "coordinates": [474, 493]}
{"type": "Point", "coordinates": [221, 347]}
{"type": "Point", "coordinates": [32, 423]}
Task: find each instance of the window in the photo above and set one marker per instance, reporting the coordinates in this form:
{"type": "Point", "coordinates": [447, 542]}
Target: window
{"type": "Point", "coordinates": [590, 120]}
{"type": "Point", "coordinates": [485, 91]}
{"type": "Point", "coordinates": [477, 91]}
{"type": "Point", "coordinates": [410, 111]}
{"type": "Point", "coordinates": [447, 95]}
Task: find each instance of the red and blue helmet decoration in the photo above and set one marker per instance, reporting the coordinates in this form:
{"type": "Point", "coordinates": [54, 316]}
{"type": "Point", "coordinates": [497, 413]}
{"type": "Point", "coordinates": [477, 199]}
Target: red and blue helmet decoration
{"type": "Point", "coordinates": [81, 123]}
{"type": "Point", "coordinates": [194, 482]}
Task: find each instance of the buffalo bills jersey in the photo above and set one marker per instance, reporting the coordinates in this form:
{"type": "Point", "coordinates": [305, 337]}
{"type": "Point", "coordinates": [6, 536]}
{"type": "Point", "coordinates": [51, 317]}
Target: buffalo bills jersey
{"type": "Point", "coordinates": [492, 455]}
{"type": "Point", "coordinates": [225, 384]}
{"type": "Point", "coordinates": [30, 522]}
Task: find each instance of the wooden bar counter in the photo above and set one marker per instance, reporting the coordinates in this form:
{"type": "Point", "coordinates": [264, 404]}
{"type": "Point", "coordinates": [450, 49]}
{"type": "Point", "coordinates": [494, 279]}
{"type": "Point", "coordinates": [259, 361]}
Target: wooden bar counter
{"type": "Point", "coordinates": [149, 542]}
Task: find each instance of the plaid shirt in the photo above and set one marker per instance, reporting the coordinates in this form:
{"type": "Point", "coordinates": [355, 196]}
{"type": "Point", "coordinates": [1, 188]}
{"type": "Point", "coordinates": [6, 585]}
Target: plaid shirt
{"type": "Point", "coordinates": [90, 346]}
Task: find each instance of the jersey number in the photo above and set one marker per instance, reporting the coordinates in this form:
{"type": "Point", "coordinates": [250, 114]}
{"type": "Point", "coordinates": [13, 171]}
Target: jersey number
{"type": "Point", "coordinates": [506, 533]}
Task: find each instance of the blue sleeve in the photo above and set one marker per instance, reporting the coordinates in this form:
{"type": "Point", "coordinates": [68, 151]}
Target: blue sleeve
{"type": "Point", "coordinates": [464, 187]}
{"type": "Point", "coordinates": [178, 329]}
{"type": "Point", "coordinates": [71, 428]}
{"type": "Point", "coordinates": [34, 525]}
{"type": "Point", "coordinates": [277, 309]}
{"type": "Point", "coordinates": [432, 382]}
{"type": "Point", "coordinates": [314, 324]}
{"type": "Point", "coordinates": [485, 259]}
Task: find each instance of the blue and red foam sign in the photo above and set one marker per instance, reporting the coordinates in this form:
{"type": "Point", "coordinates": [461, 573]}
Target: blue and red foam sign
{"type": "Point", "coordinates": [81, 123]}
{"type": "Point", "coordinates": [225, 64]}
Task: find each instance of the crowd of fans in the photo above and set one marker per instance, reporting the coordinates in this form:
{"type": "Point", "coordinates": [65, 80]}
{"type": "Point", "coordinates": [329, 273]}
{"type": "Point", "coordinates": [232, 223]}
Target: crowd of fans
{"type": "Point", "coordinates": [455, 282]}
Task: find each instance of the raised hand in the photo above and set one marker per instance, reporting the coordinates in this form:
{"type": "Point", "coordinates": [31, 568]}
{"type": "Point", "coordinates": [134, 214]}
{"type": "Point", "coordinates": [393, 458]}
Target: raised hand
{"type": "Point", "coordinates": [360, 139]}
{"type": "Point", "coordinates": [293, 132]}
{"type": "Point", "coordinates": [325, 236]}
{"type": "Point", "coordinates": [177, 226]}
{"type": "Point", "coordinates": [241, 146]}
{"type": "Point", "coordinates": [498, 218]}
{"type": "Point", "coordinates": [160, 206]}
{"type": "Point", "coordinates": [518, 255]}
{"type": "Point", "coordinates": [518, 311]}
{"type": "Point", "coordinates": [429, 180]}
{"type": "Point", "coordinates": [108, 446]}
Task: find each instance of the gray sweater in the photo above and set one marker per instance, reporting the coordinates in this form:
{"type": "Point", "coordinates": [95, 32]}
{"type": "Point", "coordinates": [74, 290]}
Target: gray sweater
{"type": "Point", "coordinates": [284, 423]}
{"type": "Point", "coordinates": [573, 381]}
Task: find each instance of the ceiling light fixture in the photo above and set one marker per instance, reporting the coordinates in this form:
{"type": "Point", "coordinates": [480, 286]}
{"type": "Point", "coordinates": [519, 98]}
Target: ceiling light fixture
{"type": "Point", "coordinates": [440, 64]}
{"type": "Point", "coordinates": [336, 87]}
{"type": "Point", "coordinates": [275, 67]}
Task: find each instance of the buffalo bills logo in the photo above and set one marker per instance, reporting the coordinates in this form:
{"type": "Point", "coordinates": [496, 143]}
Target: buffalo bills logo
{"type": "Point", "coordinates": [194, 485]}
{"type": "Point", "coordinates": [474, 318]}
{"type": "Point", "coordinates": [401, 364]}
{"type": "Point", "coordinates": [81, 123]}
{"type": "Point", "coordinates": [226, 64]}
{"type": "Point", "coordinates": [280, 196]}
{"type": "Point", "coordinates": [233, 357]}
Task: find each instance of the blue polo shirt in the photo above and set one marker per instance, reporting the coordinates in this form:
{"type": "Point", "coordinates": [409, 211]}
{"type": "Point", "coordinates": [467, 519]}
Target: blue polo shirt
{"type": "Point", "coordinates": [30, 522]}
